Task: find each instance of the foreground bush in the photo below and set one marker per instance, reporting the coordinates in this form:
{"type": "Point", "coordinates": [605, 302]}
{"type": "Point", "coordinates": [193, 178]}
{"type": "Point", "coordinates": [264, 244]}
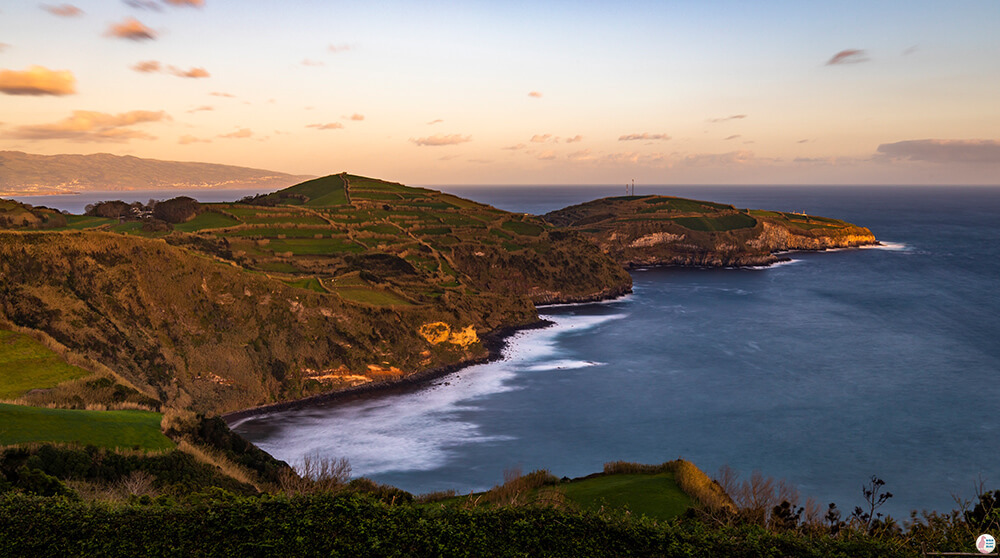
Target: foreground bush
{"type": "Point", "coordinates": [217, 523]}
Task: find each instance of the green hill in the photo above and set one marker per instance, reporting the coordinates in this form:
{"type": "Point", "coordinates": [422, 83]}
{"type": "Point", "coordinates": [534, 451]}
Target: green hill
{"type": "Point", "coordinates": [259, 302]}
{"type": "Point", "coordinates": [663, 230]}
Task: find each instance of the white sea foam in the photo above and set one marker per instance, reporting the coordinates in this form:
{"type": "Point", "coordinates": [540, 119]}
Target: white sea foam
{"type": "Point", "coordinates": [563, 364]}
{"type": "Point", "coordinates": [413, 431]}
{"type": "Point", "coordinates": [890, 246]}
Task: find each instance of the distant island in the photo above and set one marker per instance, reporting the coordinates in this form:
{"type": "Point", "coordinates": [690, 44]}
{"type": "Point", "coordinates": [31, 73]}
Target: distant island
{"type": "Point", "coordinates": [337, 283]}
{"type": "Point", "coordinates": [27, 174]}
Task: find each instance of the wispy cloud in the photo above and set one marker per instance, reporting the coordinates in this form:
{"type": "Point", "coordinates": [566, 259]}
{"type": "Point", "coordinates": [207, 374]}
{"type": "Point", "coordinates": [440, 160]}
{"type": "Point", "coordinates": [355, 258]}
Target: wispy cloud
{"type": "Point", "coordinates": [313, 63]}
{"type": "Point", "coordinates": [803, 141]}
{"type": "Point", "coordinates": [189, 3]}
{"type": "Point", "coordinates": [131, 29]}
{"type": "Point", "coordinates": [338, 48]}
{"type": "Point", "coordinates": [63, 10]}
{"type": "Point", "coordinates": [222, 94]}
{"type": "Point", "coordinates": [327, 126]}
{"type": "Point", "coordinates": [190, 73]}
{"type": "Point", "coordinates": [357, 117]}
{"type": "Point", "coordinates": [978, 151]}
{"type": "Point", "coordinates": [185, 140]}
{"type": "Point", "coordinates": [441, 139]}
{"type": "Point", "coordinates": [582, 155]}
{"type": "Point", "coordinates": [547, 155]}
{"type": "Point", "coordinates": [517, 147]}
{"type": "Point", "coordinates": [574, 139]}
{"type": "Point", "coordinates": [643, 136]}
{"type": "Point", "coordinates": [727, 118]}
{"type": "Point", "coordinates": [4, 46]}
{"type": "Point", "coordinates": [154, 66]}
{"type": "Point", "coordinates": [144, 5]}
{"type": "Point", "coordinates": [849, 56]}
{"type": "Point", "coordinates": [433, 122]}
{"type": "Point", "coordinates": [732, 137]}
{"type": "Point", "coordinates": [37, 80]}
{"type": "Point", "coordinates": [535, 94]}
{"type": "Point", "coordinates": [541, 138]}
{"type": "Point", "coordinates": [90, 126]}
{"type": "Point", "coordinates": [201, 109]}
{"type": "Point", "coordinates": [238, 134]}
{"type": "Point", "coordinates": [147, 66]}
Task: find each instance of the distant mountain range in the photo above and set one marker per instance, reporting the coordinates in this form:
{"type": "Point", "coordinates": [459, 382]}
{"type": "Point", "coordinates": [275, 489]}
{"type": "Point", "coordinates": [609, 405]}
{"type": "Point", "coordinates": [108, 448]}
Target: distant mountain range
{"type": "Point", "coordinates": [28, 174]}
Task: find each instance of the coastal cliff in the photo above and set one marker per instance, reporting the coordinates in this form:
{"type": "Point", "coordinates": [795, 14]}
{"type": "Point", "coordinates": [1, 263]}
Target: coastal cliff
{"type": "Point", "coordinates": [641, 231]}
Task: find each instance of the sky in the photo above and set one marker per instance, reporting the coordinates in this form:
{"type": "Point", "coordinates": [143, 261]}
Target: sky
{"type": "Point", "coordinates": [542, 92]}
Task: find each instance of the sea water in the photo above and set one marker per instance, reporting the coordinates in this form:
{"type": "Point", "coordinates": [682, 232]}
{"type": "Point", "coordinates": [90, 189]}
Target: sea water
{"type": "Point", "coordinates": [823, 371]}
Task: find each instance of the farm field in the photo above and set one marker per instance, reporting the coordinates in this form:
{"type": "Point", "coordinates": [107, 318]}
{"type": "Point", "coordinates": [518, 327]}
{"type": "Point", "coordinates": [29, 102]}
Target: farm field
{"type": "Point", "coordinates": [26, 364]}
{"type": "Point", "coordinates": [110, 429]}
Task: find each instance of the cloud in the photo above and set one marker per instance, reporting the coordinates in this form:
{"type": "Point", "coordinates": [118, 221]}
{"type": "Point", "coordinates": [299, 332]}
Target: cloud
{"type": "Point", "coordinates": [63, 10]}
{"type": "Point", "coordinates": [802, 141]}
{"type": "Point", "coordinates": [535, 94]}
{"type": "Point", "coordinates": [37, 80]}
{"type": "Point", "coordinates": [201, 108]}
{"type": "Point", "coordinates": [975, 151]}
{"type": "Point", "coordinates": [185, 140]}
{"type": "Point", "coordinates": [338, 48]}
{"type": "Point", "coordinates": [238, 134]}
{"type": "Point", "coordinates": [4, 46]}
{"type": "Point", "coordinates": [732, 137]}
{"type": "Point", "coordinates": [147, 66]}
{"type": "Point", "coordinates": [481, 161]}
{"type": "Point", "coordinates": [582, 155]}
{"type": "Point", "coordinates": [727, 118]}
{"type": "Point", "coordinates": [910, 50]}
{"type": "Point", "coordinates": [517, 147]}
{"type": "Point", "coordinates": [643, 136]}
{"type": "Point", "coordinates": [90, 126]}
{"type": "Point", "coordinates": [327, 126]}
{"type": "Point", "coordinates": [144, 5]}
{"type": "Point", "coordinates": [357, 117]}
{"type": "Point", "coordinates": [849, 56]}
{"type": "Point", "coordinates": [192, 73]}
{"type": "Point", "coordinates": [131, 29]}
{"type": "Point", "coordinates": [308, 62]}
{"type": "Point", "coordinates": [574, 139]}
{"type": "Point", "coordinates": [433, 122]}
{"type": "Point", "coordinates": [222, 94]}
{"type": "Point", "coordinates": [547, 155]}
{"type": "Point", "coordinates": [541, 138]}
{"type": "Point", "coordinates": [440, 139]}
{"type": "Point", "coordinates": [189, 3]}
{"type": "Point", "coordinates": [738, 158]}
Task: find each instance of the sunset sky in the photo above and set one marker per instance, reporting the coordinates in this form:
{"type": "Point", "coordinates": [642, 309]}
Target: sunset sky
{"type": "Point", "coordinates": [545, 92]}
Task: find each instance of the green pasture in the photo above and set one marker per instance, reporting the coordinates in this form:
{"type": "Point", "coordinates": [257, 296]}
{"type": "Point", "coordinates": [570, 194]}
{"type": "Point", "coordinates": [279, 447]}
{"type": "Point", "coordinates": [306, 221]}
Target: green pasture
{"type": "Point", "coordinates": [314, 246]}
{"type": "Point", "coordinates": [654, 495]}
{"type": "Point", "coordinates": [207, 220]}
{"type": "Point", "coordinates": [522, 228]}
{"type": "Point", "coordinates": [371, 296]}
{"type": "Point", "coordinates": [77, 222]}
{"type": "Point", "coordinates": [26, 364]}
{"type": "Point", "coordinates": [721, 223]}
{"type": "Point", "coordinates": [110, 429]}
{"type": "Point", "coordinates": [275, 232]}
{"type": "Point", "coordinates": [298, 219]}
{"type": "Point", "coordinates": [309, 283]}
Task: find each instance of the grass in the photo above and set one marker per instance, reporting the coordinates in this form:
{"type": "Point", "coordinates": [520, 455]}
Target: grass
{"type": "Point", "coordinates": [77, 222]}
{"type": "Point", "coordinates": [314, 246]}
{"type": "Point", "coordinates": [274, 232]}
{"type": "Point", "coordinates": [722, 223]}
{"type": "Point", "coordinates": [654, 495]}
{"type": "Point", "coordinates": [522, 228]}
{"type": "Point", "coordinates": [26, 364]}
{"type": "Point", "coordinates": [310, 283]}
{"type": "Point", "coordinates": [108, 429]}
{"type": "Point", "coordinates": [371, 296]}
{"type": "Point", "coordinates": [325, 191]}
{"type": "Point", "coordinates": [207, 220]}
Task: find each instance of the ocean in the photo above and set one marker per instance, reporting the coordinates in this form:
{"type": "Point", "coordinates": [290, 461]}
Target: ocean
{"type": "Point", "coordinates": [822, 371]}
